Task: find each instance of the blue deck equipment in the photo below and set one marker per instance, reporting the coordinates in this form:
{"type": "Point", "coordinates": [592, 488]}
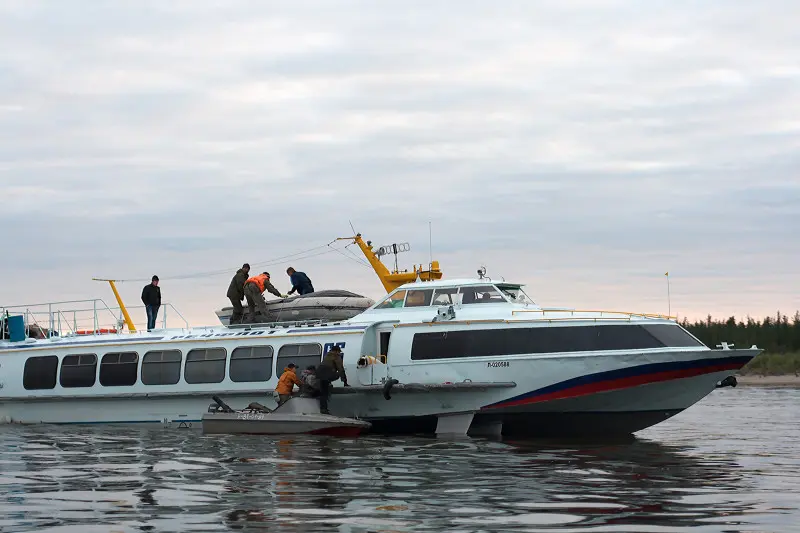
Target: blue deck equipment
{"type": "Point", "coordinates": [16, 328]}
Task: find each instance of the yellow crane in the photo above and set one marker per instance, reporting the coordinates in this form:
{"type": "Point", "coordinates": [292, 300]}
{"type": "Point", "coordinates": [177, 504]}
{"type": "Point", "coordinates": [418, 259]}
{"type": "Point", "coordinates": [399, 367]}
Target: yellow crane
{"type": "Point", "coordinates": [122, 308]}
{"type": "Point", "coordinates": [393, 279]}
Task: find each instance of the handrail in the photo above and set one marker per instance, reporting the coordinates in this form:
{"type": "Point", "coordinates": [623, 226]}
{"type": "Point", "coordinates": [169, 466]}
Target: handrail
{"type": "Point", "coordinates": [61, 314]}
{"type": "Point", "coordinates": [573, 311]}
{"type": "Point", "coordinates": [51, 303]}
{"type": "Point", "coordinates": [53, 319]}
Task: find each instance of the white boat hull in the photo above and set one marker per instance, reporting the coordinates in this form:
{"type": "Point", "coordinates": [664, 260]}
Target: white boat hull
{"type": "Point", "coordinates": [607, 409]}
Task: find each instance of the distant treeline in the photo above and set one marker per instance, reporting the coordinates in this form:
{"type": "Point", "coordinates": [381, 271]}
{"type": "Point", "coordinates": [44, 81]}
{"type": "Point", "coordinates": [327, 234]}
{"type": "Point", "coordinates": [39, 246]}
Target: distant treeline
{"type": "Point", "coordinates": [778, 336]}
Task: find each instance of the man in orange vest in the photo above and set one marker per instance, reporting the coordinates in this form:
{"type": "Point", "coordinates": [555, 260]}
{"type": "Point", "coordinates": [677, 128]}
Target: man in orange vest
{"type": "Point", "coordinates": [253, 290]}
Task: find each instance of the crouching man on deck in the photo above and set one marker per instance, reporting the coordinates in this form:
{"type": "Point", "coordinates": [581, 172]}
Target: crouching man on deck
{"type": "Point", "coordinates": [310, 386]}
{"type": "Point", "coordinates": [286, 383]}
{"type": "Point", "coordinates": [330, 369]}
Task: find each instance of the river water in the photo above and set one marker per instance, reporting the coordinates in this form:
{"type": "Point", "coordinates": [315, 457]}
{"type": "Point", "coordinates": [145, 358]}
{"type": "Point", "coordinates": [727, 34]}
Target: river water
{"type": "Point", "coordinates": [730, 463]}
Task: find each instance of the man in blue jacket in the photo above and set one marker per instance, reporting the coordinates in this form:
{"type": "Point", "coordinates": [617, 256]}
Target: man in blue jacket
{"type": "Point", "coordinates": [300, 282]}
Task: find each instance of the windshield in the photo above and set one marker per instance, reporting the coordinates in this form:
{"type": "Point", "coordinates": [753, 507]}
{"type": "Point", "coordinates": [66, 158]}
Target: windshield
{"type": "Point", "coordinates": [392, 302]}
{"type": "Point", "coordinates": [480, 294]}
{"type": "Point", "coordinates": [515, 294]}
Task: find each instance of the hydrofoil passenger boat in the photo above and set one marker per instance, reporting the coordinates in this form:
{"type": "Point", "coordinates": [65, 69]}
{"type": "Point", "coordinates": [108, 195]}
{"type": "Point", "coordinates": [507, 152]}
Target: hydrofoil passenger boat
{"type": "Point", "coordinates": [441, 356]}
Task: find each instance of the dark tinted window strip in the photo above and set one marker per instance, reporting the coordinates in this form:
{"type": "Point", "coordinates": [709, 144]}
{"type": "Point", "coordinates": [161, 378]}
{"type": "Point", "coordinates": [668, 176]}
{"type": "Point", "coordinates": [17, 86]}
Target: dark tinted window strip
{"type": "Point", "coordinates": [507, 341]}
{"type": "Point", "coordinates": [673, 336]}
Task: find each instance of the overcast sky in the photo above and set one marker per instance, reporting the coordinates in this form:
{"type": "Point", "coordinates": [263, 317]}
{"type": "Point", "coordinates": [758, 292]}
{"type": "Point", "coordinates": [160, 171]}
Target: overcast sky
{"type": "Point", "coordinates": [582, 147]}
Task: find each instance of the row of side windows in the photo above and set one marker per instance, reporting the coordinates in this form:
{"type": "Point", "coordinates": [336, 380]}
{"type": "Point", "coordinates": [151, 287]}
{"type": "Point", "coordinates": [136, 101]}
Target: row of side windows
{"type": "Point", "coordinates": [518, 341]}
{"type": "Point", "coordinates": [163, 367]}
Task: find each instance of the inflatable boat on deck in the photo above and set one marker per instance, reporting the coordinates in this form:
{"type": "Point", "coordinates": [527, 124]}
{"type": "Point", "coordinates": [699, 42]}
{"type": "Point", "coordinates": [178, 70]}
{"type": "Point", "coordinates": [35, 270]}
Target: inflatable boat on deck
{"type": "Point", "coordinates": [331, 305]}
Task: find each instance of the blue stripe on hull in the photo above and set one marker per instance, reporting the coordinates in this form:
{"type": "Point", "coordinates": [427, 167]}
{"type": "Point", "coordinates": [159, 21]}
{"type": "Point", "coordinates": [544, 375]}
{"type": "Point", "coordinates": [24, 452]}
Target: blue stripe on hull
{"type": "Point", "coordinates": [625, 373]}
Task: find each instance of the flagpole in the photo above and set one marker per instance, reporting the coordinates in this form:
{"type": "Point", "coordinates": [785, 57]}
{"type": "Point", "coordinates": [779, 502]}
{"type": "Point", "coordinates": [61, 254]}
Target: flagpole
{"type": "Point", "coordinates": [669, 298]}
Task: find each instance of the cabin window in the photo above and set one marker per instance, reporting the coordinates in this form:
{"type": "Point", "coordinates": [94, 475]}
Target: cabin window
{"type": "Point", "coordinates": [251, 363]}
{"type": "Point", "coordinates": [40, 372]}
{"type": "Point", "coordinates": [161, 367]}
{"type": "Point", "coordinates": [481, 294]}
{"type": "Point", "coordinates": [447, 296]}
{"type": "Point", "coordinates": [392, 302]}
{"type": "Point", "coordinates": [119, 369]}
{"type": "Point", "coordinates": [671, 335]}
{"type": "Point", "coordinates": [515, 294]}
{"type": "Point", "coordinates": [517, 341]}
{"type": "Point", "coordinates": [419, 298]}
{"type": "Point", "coordinates": [205, 365]}
{"type": "Point", "coordinates": [302, 355]}
{"type": "Point", "coordinates": [78, 370]}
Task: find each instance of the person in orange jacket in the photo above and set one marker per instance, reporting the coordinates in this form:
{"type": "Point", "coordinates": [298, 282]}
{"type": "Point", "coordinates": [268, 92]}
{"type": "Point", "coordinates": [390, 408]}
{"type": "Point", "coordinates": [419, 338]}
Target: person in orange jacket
{"type": "Point", "coordinates": [253, 291]}
{"type": "Point", "coordinates": [286, 383]}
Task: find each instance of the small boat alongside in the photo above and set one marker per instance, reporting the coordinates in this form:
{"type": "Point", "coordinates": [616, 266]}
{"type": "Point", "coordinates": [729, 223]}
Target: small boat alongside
{"type": "Point", "coordinates": [299, 415]}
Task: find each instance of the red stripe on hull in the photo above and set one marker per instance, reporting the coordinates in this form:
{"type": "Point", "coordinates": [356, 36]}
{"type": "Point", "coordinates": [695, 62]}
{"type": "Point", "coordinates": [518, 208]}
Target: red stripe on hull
{"type": "Point", "coordinates": [621, 383]}
{"type": "Point", "coordinates": [339, 431]}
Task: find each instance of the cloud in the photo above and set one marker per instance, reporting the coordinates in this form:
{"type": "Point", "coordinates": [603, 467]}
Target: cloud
{"type": "Point", "coordinates": [584, 147]}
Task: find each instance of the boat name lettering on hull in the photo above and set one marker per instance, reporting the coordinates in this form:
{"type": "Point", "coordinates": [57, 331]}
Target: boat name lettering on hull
{"type": "Point", "coordinates": [497, 364]}
{"type": "Point", "coordinates": [329, 345]}
{"type": "Point", "coordinates": [250, 416]}
{"type": "Point", "coordinates": [218, 335]}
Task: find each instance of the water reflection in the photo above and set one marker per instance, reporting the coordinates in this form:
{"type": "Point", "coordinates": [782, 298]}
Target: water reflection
{"type": "Point", "coordinates": [86, 479]}
{"type": "Point", "coordinates": [643, 483]}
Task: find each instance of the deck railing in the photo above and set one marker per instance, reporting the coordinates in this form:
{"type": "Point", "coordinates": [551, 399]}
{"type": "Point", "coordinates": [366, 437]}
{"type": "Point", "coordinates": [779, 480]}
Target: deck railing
{"type": "Point", "coordinates": [602, 314]}
{"type": "Point", "coordinates": [80, 317]}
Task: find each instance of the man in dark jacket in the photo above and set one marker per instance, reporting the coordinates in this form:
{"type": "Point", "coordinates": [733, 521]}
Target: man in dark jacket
{"type": "Point", "coordinates": [151, 296]}
{"type": "Point", "coordinates": [236, 293]}
{"type": "Point", "coordinates": [300, 282]}
{"type": "Point", "coordinates": [330, 369]}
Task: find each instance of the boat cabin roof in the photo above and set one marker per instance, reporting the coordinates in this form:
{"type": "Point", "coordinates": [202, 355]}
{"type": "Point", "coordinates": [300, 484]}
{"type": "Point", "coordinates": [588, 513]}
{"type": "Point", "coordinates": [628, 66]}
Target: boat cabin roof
{"type": "Point", "coordinates": [453, 292]}
{"type": "Point", "coordinates": [456, 283]}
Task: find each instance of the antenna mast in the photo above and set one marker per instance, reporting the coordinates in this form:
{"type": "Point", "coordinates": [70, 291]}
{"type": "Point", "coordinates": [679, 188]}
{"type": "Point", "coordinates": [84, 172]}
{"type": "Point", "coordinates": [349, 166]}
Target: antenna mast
{"type": "Point", "coordinates": [430, 243]}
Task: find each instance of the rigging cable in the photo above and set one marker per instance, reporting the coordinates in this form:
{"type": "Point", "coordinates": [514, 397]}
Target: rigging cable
{"type": "Point", "coordinates": [305, 254]}
{"type": "Point", "coordinates": [352, 256]}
